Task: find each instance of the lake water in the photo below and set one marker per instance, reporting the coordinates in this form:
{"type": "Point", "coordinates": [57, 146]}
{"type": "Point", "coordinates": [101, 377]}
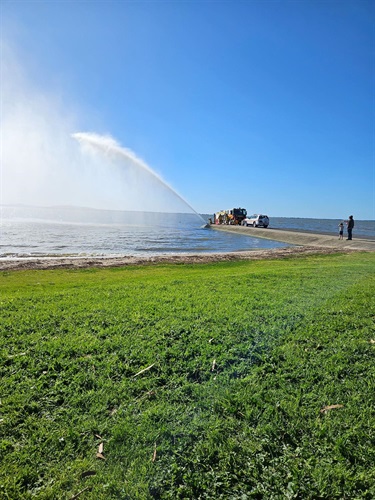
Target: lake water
{"type": "Point", "coordinates": [41, 232]}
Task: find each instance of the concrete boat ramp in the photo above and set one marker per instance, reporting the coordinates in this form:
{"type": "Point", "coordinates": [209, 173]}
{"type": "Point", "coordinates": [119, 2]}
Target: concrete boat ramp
{"type": "Point", "coordinates": [301, 238]}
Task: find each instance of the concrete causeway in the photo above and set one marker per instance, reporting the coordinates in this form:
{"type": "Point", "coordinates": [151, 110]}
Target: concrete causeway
{"type": "Point", "coordinates": [301, 238]}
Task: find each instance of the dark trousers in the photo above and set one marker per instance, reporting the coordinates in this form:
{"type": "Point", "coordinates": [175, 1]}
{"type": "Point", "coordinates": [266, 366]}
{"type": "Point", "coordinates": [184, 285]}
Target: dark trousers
{"type": "Point", "coordinates": [350, 233]}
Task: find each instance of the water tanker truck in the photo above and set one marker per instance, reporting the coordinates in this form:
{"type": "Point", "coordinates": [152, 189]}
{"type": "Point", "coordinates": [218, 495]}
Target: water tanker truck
{"type": "Point", "coordinates": [232, 216]}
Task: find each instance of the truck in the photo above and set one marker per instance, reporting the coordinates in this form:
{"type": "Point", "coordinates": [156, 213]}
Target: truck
{"type": "Point", "coordinates": [233, 216]}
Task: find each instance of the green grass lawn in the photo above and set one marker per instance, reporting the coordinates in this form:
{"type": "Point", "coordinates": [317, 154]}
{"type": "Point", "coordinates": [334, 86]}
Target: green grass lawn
{"type": "Point", "coordinates": [240, 361]}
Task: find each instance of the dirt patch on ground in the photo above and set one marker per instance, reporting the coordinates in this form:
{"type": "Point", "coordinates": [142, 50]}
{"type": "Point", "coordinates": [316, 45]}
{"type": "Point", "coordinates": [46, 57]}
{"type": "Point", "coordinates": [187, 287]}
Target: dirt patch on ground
{"type": "Point", "coordinates": [101, 262]}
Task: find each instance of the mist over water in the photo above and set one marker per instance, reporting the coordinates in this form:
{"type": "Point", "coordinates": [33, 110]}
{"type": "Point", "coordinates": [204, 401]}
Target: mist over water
{"type": "Point", "coordinates": [43, 165]}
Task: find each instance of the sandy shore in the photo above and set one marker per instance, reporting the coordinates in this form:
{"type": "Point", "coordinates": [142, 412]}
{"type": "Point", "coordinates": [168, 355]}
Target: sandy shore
{"type": "Point", "coordinates": [306, 244]}
{"type": "Point", "coordinates": [84, 262]}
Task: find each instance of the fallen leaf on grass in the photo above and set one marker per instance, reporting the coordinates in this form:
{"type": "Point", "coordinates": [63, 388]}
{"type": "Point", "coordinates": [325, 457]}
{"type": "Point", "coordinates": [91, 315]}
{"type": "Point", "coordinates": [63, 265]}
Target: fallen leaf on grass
{"type": "Point", "coordinates": [372, 341]}
{"type": "Point", "coordinates": [213, 365]}
{"type": "Point", "coordinates": [101, 456]}
{"type": "Point", "coordinates": [154, 454]}
{"type": "Point", "coordinates": [144, 370]}
{"type": "Point", "coordinates": [147, 394]}
{"type": "Point", "coordinates": [101, 448]}
{"type": "Point", "coordinates": [330, 407]}
{"type": "Point", "coordinates": [150, 393]}
{"type": "Point", "coordinates": [97, 436]}
{"type": "Point", "coordinates": [74, 497]}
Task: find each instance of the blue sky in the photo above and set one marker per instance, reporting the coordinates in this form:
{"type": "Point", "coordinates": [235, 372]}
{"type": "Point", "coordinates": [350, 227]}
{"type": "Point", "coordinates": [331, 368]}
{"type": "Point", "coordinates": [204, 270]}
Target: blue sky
{"type": "Point", "coordinates": [263, 104]}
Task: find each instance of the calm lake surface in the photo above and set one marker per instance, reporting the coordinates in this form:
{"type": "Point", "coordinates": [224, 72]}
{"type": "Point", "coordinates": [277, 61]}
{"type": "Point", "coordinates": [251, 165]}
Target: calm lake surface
{"type": "Point", "coordinates": [42, 232]}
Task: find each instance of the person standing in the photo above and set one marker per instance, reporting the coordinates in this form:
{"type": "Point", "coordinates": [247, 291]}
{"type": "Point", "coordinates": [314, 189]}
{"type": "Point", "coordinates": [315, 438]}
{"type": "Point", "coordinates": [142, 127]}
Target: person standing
{"type": "Point", "coordinates": [350, 224]}
{"type": "Point", "coordinates": [341, 231]}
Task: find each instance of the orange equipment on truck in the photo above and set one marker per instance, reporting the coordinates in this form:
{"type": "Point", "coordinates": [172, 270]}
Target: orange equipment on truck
{"type": "Point", "coordinates": [232, 216]}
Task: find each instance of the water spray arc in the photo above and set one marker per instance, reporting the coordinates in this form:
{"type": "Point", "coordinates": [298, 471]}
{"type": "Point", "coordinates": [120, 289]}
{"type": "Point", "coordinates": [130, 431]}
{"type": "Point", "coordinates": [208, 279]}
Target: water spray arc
{"type": "Point", "coordinates": [110, 147]}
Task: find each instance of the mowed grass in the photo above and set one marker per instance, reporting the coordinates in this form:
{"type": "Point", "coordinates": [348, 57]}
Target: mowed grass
{"type": "Point", "coordinates": [240, 360]}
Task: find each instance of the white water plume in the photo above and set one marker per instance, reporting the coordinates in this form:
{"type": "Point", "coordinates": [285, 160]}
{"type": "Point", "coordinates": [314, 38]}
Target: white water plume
{"type": "Point", "coordinates": [111, 149]}
{"type": "Point", "coordinates": [41, 165]}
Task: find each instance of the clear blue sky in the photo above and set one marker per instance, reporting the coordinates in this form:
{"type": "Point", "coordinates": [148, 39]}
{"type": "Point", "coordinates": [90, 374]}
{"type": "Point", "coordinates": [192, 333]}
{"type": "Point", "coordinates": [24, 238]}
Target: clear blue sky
{"type": "Point", "coordinates": [263, 104]}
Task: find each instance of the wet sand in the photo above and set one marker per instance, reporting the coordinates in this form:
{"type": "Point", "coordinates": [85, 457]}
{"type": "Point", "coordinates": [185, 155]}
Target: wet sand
{"type": "Point", "coordinates": [305, 244]}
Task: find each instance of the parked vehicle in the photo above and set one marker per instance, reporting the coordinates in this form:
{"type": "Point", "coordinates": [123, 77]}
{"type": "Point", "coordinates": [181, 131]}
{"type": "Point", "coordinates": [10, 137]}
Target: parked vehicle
{"type": "Point", "coordinates": [256, 220]}
{"type": "Point", "coordinates": [232, 216]}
